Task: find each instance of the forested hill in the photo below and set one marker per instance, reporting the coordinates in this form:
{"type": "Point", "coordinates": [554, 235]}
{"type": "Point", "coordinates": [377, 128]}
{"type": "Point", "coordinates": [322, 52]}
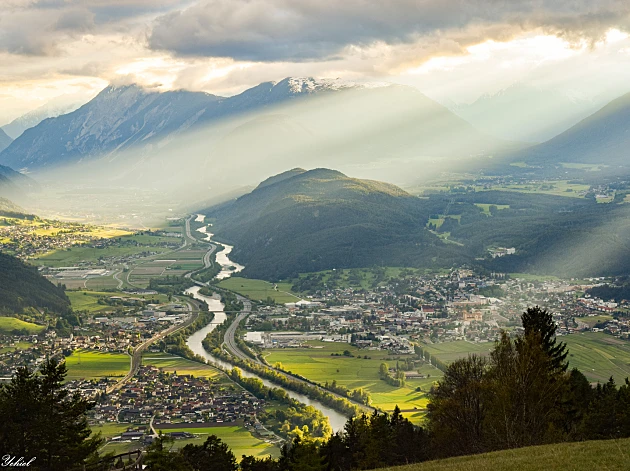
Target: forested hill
{"type": "Point", "coordinates": [302, 221]}
{"type": "Point", "coordinates": [21, 286]}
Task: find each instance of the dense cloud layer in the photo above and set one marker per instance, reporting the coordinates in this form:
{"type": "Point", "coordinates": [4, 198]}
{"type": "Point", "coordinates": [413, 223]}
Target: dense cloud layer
{"type": "Point", "coordinates": [298, 30]}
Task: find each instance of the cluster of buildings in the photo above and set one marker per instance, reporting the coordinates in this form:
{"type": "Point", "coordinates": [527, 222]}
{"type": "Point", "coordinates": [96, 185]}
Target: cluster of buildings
{"type": "Point", "coordinates": [460, 305]}
{"type": "Point", "coordinates": [162, 399]}
{"type": "Point", "coordinates": [28, 239]}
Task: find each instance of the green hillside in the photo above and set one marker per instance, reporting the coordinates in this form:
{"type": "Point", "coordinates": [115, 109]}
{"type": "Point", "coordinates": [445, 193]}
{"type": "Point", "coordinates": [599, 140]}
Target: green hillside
{"type": "Point", "coordinates": [21, 287]}
{"type": "Point", "coordinates": [302, 221]}
{"type": "Point", "coordinates": [580, 456]}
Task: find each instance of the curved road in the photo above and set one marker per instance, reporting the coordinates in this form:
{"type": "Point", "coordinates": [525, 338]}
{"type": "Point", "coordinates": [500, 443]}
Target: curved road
{"type": "Point", "coordinates": [231, 345]}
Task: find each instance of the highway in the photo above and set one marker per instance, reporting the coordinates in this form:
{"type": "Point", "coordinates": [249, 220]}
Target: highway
{"type": "Point", "coordinates": [230, 343]}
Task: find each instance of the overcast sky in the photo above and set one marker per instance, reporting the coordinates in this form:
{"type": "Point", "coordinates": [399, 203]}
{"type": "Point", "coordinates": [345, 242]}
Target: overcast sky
{"type": "Point", "coordinates": [450, 49]}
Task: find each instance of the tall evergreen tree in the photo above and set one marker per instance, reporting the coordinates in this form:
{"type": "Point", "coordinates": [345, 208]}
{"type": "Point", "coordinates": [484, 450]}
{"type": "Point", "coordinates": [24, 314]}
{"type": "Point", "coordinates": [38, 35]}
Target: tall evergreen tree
{"type": "Point", "coordinates": [538, 321]}
{"type": "Point", "coordinates": [457, 409]}
{"type": "Point", "coordinates": [41, 419]}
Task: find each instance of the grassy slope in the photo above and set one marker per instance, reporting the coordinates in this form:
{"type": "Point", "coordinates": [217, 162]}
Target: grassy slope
{"type": "Point", "coordinates": [8, 324]}
{"type": "Point", "coordinates": [451, 351]}
{"type": "Point", "coordinates": [260, 290]}
{"type": "Point", "coordinates": [599, 356]}
{"type": "Point", "coordinates": [585, 456]}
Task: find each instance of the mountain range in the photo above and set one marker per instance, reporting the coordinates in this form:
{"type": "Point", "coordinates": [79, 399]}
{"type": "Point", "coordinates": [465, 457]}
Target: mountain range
{"type": "Point", "coordinates": [397, 120]}
{"type": "Point", "coordinates": [57, 107]}
{"type": "Point", "coordinates": [525, 113]}
{"type": "Point", "coordinates": [5, 140]}
{"type": "Point", "coordinates": [602, 138]}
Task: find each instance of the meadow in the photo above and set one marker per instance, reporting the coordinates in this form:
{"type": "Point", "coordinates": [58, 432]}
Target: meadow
{"type": "Point", "coordinates": [89, 364]}
{"type": "Point", "coordinates": [9, 324]}
{"type": "Point", "coordinates": [260, 290]}
{"type": "Point", "coordinates": [72, 256]}
{"type": "Point", "coordinates": [129, 245]}
{"type": "Point", "coordinates": [173, 363]}
{"type": "Point", "coordinates": [611, 455]}
{"type": "Point", "coordinates": [317, 364]}
{"type": "Point", "coordinates": [238, 438]}
{"type": "Point", "coordinates": [553, 188]}
{"type": "Point", "coordinates": [599, 356]}
{"type": "Point", "coordinates": [448, 352]}
{"type": "Point", "coordinates": [16, 346]}
{"type": "Point", "coordinates": [85, 300]}
{"type": "Point", "coordinates": [486, 207]}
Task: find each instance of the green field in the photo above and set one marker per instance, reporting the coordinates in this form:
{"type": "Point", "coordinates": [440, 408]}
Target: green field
{"type": "Point", "coordinates": [555, 188]}
{"type": "Point", "coordinates": [592, 320]}
{"type": "Point", "coordinates": [318, 365]}
{"type": "Point", "coordinates": [76, 254]}
{"type": "Point", "coordinates": [110, 430]}
{"type": "Point", "coordinates": [84, 300]}
{"type": "Point", "coordinates": [532, 277]}
{"type": "Point", "coordinates": [599, 356]}
{"type": "Point", "coordinates": [173, 363]}
{"type": "Point", "coordinates": [610, 455]}
{"type": "Point", "coordinates": [239, 439]}
{"type": "Point", "coordinates": [486, 207]}
{"type": "Point", "coordinates": [88, 364]}
{"type": "Point", "coordinates": [17, 346]}
{"type": "Point", "coordinates": [451, 351]}
{"type": "Point", "coordinates": [260, 290]}
{"type": "Point", "coordinates": [9, 324]}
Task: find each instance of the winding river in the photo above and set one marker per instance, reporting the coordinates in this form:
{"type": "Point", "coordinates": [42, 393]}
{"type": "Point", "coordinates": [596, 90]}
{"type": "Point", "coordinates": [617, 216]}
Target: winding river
{"type": "Point", "coordinates": [194, 342]}
{"type": "Point", "coordinates": [228, 267]}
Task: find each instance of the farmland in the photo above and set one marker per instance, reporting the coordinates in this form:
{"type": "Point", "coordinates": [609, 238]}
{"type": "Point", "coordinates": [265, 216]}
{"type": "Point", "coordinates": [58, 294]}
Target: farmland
{"type": "Point", "coordinates": [599, 356]}
{"type": "Point", "coordinates": [317, 364]}
{"type": "Point", "coordinates": [79, 254]}
{"type": "Point", "coordinates": [9, 324]}
{"type": "Point", "coordinates": [260, 290]}
{"type": "Point", "coordinates": [486, 207]}
{"type": "Point", "coordinates": [172, 363]}
{"type": "Point", "coordinates": [86, 300]}
{"type": "Point", "coordinates": [16, 346]}
{"type": "Point", "coordinates": [239, 439]}
{"type": "Point", "coordinates": [451, 351]}
{"type": "Point", "coordinates": [89, 364]}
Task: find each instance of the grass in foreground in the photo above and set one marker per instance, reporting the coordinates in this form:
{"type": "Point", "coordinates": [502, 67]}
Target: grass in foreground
{"type": "Point", "coordinates": [9, 324]}
{"type": "Point", "coordinates": [581, 456]}
{"type": "Point", "coordinates": [90, 364]}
